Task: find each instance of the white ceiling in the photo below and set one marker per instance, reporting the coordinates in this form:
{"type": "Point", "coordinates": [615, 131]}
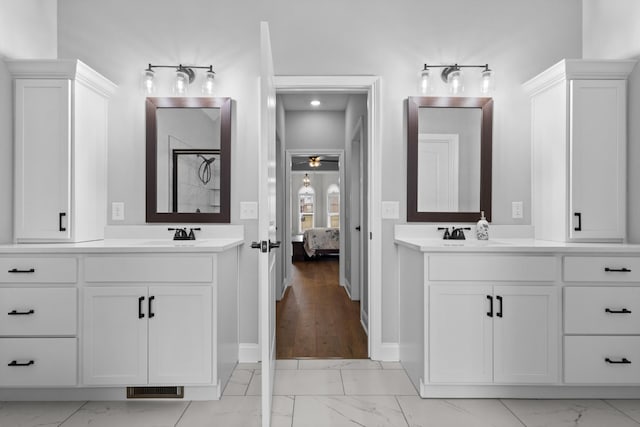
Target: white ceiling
{"type": "Point", "coordinates": [301, 101]}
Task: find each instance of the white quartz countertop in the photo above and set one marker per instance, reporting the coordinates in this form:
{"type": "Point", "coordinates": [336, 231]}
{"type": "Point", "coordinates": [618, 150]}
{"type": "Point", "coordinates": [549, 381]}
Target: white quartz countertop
{"type": "Point", "coordinates": [426, 244]}
{"type": "Point", "coordinates": [127, 245]}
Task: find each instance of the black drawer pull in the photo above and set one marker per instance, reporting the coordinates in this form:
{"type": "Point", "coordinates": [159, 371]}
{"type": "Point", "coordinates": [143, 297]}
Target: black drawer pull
{"type": "Point", "coordinates": [579, 227]}
{"type": "Point", "coordinates": [15, 270]}
{"type": "Point", "coordinates": [140, 313]}
{"type": "Point", "coordinates": [20, 313]}
{"type": "Point", "coordinates": [499, 313]}
{"type": "Point", "coordinates": [151, 313]}
{"type": "Point", "coordinates": [15, 363]}
{"type": "Point", "coordinates": [624, 361]}
{"type": "Point", "coordinates": [490, 312]}
{"type": "Point", "coordinates": [623, 311]}
{"type": "Point", "coordinates": [60, 216]}
{"type": "Point", "coordinates": [617, 270]}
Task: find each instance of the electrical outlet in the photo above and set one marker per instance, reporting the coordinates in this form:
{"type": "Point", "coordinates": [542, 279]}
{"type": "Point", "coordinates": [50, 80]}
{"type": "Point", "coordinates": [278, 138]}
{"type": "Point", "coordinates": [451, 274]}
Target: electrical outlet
{"type": "Point", "coordinates": [517, 210]}
{"type": "Point", "coordinates": [390, 210]}
{"type": "Point", "coordinates": [117, 211]}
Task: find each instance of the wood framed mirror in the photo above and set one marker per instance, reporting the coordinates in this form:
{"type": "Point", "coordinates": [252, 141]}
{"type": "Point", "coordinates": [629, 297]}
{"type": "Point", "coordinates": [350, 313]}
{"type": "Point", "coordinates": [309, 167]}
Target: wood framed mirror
{"type": "Point", "coordinates": [188, 160]}
{"type": "Point", "coordinates": [449, 158]}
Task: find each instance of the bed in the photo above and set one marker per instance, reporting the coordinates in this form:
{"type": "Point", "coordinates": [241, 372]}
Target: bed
{"type": "Point", "coordinates": [321, 241]}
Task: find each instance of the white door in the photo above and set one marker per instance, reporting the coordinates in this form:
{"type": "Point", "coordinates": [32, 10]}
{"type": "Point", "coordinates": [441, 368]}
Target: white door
{"type": "Point", "coordinates": [354, 216]}
{"type": "Point", "coordinates": [460, 334]}
{"type": "Point", "coordinates": [114, 335]}
{"type": "Point", "coordinates": [598, 156]}
{"type": "Point", "coordinates": [525, 334]}
{"type": "Point", "coordinates": [267, 222]}
{"type": "Point", "coordinates": [180, 335]}
{"type": "Point", "coordinates": [43, 159]}
{"type": "Point", "coordinates": [438, 172]}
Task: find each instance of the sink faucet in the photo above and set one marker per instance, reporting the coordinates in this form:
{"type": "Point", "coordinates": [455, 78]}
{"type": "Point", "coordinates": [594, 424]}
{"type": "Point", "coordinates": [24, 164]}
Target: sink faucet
{"type": "Point", "coordinates": [446, 235]}
{"type": "Point", "coordinates": [458, 233]}
{"type": "Point", "coordinates": [181, 233]}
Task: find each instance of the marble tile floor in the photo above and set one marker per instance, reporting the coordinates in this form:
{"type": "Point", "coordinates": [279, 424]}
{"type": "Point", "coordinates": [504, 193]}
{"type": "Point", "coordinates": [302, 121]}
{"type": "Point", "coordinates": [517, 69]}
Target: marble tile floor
{"type": "Point", "coordinates": [326, 393]}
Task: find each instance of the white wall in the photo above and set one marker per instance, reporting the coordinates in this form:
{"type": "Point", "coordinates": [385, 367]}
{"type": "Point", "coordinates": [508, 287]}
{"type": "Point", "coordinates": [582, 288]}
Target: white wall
{"type": "Point", "coordinates": [315, 129]}
{"type": "Point", "coordinates": [28, 29]}
{"type": "Point", "coordinates": [519, 38]}
{"type": "Point", "coordinates": [611, 31]}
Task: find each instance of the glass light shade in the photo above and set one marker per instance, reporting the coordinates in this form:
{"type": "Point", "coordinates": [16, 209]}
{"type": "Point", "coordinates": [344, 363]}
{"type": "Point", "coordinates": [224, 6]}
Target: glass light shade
{"type": "Point", "coordinates": [455, 82]}
{"type": "Point", "coordinates": [181, 84]}
{"type": "Point", "coordinates": [207, 86]}
{"type": "Point", "coordinates": [149, 82]}
{"type": "Point", "coordinates": [306, 181]}
{"type": "Point", "coordinates": [425, 83]}
{"type": "Point", "coordinates": [487, 82]}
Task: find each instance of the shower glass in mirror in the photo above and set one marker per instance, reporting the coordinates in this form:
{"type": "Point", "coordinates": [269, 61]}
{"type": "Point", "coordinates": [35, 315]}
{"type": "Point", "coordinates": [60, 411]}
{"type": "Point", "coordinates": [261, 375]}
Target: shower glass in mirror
{"type": "Point", "coordinates": [188, 145]}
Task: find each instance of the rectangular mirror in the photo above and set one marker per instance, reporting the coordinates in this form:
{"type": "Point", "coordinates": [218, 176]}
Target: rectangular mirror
{"type": "Point", "coordinates": [448, 159]}
{"type": "Point", "coordinates": [188, 159]}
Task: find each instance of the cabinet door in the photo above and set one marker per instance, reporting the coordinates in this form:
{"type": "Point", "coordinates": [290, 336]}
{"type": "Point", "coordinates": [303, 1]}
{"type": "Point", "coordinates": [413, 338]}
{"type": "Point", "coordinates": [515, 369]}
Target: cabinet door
{"type": "Point", "coordinates": [460, 334]}
{"type": "Point", "coordinates": [526, 334]}
{"type": "Point", "coordinates": [180, 334]}
{"type": "Point", "coordinates": [114, 335]}
{"type": "Point", "coordinates": [597, 159]}
{"type": "Point", "coordinates": [42, 159]}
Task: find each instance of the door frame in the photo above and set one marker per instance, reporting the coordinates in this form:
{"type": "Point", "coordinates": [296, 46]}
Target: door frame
{"type": "Point", "coordinates": [371, 85]}
{"type": "Point", "coordinates": [289, 193]}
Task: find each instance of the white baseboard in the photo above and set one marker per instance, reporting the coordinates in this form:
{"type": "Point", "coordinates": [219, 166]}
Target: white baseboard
{"type": "Point", "coordinates": [249, 353]}
{"type": "Point", "coordinates": [388, 352]}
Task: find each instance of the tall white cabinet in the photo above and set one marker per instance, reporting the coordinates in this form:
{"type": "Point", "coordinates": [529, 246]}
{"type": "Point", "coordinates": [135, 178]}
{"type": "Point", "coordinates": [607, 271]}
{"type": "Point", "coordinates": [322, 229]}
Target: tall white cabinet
{"type": "Point", "coordinates": [578, 131]}
{"type": "Point", "coordinates": [60, 140]}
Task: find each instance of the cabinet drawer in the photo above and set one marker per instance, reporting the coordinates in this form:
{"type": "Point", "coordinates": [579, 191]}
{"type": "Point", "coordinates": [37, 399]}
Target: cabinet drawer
{"type": "Point", "coordinates": [601, 269]}
{"type": "Point", "coordinates": [38, 311]}
{"type": "Point", "coordinates": [35, 362]}
{"type": "Point", "coordinates": [38, 270]}
{"type": "Point", "coordinates": [601, 310]}
{"type": "Point", "coordinates": [492, 267]}
{"type": "Point", "coordinates": [149, 269]}
{"type": "Point", "coordinates": [585, 360]}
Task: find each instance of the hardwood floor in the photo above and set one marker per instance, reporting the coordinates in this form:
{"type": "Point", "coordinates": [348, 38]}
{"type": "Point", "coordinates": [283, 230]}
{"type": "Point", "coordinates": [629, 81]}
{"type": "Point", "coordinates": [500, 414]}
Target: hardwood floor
{"type": "Point", "coordinates": [316, 318]}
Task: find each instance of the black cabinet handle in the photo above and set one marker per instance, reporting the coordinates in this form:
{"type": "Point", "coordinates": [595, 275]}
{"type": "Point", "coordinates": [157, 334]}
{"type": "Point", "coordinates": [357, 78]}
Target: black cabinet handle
{"type": "Point", "coordinates": [499, 313]}
{"type": "Point", "coordinates": [20, 313]}
{"type": "Point", "coordinates": [60, 227]}
{"type": "Point", "coordinates": [490, 312]}
{"type": "Point", "coordinates": [617, 270]}
{"type": "Point", "coordinates": [15, 363]}
{"type": "Point", "coordinates": [151, 313]}
{"type": "Point", "coordinates": [623, 311]}
{"type": "Point", "coordinates": [624, 361]}
{"type": "Point", "coordinates": [15, 270]}
{"type": "Point", "coordinates": [579, 227]}
{"type": "Point", "coordinates": [140, 313]}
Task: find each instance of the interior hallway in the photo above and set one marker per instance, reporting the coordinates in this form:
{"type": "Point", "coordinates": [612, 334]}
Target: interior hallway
{"type": "Point", "coordinates": [316, 318]}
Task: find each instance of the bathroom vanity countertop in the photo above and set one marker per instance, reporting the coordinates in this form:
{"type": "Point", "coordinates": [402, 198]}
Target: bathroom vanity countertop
{"type": "Point", "coordinates": [127, 245]}
{"type": "Point", "coordinates": [512, 245]}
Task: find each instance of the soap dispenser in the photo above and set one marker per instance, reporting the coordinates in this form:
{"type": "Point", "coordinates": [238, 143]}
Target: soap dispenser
{"type": "Point", "coordinates": [482, 228]}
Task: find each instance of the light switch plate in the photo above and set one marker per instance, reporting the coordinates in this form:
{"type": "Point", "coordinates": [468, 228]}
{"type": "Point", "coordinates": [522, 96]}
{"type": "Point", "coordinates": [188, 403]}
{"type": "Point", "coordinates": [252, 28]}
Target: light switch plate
{"type": "Point", "coordinates": [117, 211]}
{"type": "Point", "coordinates": [390, 210]}
{"type": "Point", "coordinates": [248, 210]}
{"type": "Point", "coordinates": [516, 210]}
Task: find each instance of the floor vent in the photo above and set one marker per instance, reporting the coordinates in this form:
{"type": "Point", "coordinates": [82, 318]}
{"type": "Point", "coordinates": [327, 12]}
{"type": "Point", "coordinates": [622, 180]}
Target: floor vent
{"type": "Point", "coordinates": [155, 392]}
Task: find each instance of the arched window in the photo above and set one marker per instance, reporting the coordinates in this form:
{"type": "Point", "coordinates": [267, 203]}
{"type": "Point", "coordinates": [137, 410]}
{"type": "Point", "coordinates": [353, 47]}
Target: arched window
{"type": "Point", "coordinates": [333, 206]}
{"type": "Point", "coordinates": [306, 208]}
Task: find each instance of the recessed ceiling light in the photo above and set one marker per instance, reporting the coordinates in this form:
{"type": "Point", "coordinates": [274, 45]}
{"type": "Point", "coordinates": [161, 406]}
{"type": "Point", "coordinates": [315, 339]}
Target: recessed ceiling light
{"type": "Point", "coordinates": [315, 103]}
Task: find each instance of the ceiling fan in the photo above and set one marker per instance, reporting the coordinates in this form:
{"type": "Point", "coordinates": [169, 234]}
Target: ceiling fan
{"type": "Point", "coordinates": [316, 161]}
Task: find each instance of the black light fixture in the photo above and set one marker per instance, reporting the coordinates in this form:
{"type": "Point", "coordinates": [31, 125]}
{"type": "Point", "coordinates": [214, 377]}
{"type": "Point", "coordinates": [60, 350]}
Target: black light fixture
{"type": "Point", "coordinates": [453, 77]}
{"type": "Point", "coordinates": [185, 75]}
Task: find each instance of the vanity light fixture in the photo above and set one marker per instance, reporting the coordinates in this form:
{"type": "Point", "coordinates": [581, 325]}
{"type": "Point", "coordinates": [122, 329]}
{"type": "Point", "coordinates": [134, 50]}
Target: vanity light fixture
{"type": "Point", "coordinates": [185, 75]}
{"type": "Point", "coordinates": [453, 77]}
{"type": "Point", "coordinates": [306, 181]}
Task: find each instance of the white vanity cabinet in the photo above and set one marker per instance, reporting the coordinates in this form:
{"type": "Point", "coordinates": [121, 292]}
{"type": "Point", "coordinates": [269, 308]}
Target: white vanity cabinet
{"type": "Point", "coordinates": [38, 323]}
{"type": "Point", "coordinates": [60, 140]}
{"type": "Point", "coordinates": [148, 320]}
{"type": "Point", "coordinates": [493, 334]}
{"type": "Point", "coordinates": [578, 133]}
{"type": "Point", "coordinates": [491, 329]}
{"type": "Point", "coordinates": [140, 335]}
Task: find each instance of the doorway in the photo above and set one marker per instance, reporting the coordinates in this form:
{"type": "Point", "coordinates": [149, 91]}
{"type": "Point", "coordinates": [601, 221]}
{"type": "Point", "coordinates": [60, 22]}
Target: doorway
{"type": "Point", "coordinates": [320, 312]}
